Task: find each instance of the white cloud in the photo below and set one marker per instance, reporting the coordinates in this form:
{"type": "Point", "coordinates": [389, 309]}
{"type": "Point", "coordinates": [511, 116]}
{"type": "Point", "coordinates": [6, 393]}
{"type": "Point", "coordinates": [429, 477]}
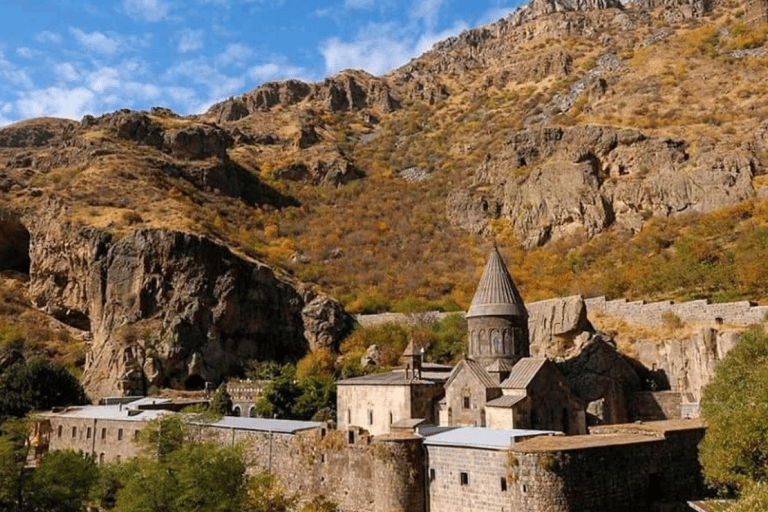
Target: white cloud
{"type": "Point", "coordinates": [376, 55]}
{"type": "Point", "coordinates": [380, 48]}
{"type": "Point", "coordinates": [66, 72]}
{"type": "Point", "coordinates": [14, 75]}
{"type": "Point", "coordinates": [495, 14]}
{"type": "Point", "coordinates": [190, 41]}
{"type": "Point", "coordinates": [234, 54]}
{"type": "Point", "coordinates": [427, 40]}
{"type": "Point", "coordinates": [103, 79]}
{"type": "Point", "coordinates": [359, 4]}
{"type": "Point", "coordinates": [274, 71]}
{"type": "Point", "coordinates": [47, 37]}
{"type": "Point", "coordinates": [97, 41]}
{"type": "Point", "coordinates": [427, 11]}
{"type": "Point", "coordinates": [25, 52]}
{"type": "Point", "coordinates": [146, 10]}
{"type": "Point", "coordinates": [56, 102]}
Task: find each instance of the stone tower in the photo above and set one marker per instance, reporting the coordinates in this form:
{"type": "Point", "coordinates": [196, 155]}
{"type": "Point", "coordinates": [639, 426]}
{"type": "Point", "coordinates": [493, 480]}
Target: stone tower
{"type": "Point", "coordinates": [497, 321]}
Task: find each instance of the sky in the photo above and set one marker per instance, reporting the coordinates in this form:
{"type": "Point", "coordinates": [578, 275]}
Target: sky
{"type": "Point", "coordinates": [69, 58]}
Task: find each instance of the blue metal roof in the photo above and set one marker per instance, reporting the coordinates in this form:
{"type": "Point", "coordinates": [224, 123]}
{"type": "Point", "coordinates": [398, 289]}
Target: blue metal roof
{"type": "Point", "coordinates": [481, 437]}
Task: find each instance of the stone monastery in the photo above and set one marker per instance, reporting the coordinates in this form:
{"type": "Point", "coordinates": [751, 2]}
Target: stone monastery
{"type": "Point", "coordinates": [499, 432]}
{"type": "Point", "coordinates": [497, 385]}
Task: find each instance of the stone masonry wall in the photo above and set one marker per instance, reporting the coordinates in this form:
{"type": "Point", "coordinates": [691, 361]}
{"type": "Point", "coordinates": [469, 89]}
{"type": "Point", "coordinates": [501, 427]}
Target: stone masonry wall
{"type": "Point", "coordinates": [703, 312]}
{"type": "Point", "coordinates": [107, 440]}
{"type": "Point", "coordinates": [482, 489]}
{"type": "Point", "coordinates": [619, 477]}
{"type": "Point", "coordinates": [349, 467]}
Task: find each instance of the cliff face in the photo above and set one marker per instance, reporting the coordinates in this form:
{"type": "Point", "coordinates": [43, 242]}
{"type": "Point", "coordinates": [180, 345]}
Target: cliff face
{"type": "Point", "coordinates": [171, 309]}
{"type": "Point", "coordinates": [553, 183]}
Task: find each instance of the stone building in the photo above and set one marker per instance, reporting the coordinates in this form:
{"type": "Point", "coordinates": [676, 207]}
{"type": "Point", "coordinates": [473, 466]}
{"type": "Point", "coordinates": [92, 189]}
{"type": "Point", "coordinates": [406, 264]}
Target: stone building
{"type": "Point", "coordinates": [376, 402]}
{"type": "Point", "coordinates": [498, 384]}
{"type": "Point", "coordinates": [496, 378]}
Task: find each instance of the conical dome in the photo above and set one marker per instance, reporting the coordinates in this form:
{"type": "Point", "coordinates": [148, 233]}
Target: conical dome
{"type": "Point", "coordinates": [496, 294]}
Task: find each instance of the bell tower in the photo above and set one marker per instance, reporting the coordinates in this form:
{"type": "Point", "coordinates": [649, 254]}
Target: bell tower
{"type": "Point", "coordinates": [497, 321]}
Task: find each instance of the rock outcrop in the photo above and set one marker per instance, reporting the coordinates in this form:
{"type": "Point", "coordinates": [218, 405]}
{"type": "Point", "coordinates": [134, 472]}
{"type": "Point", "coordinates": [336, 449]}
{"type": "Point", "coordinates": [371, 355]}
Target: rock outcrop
{"type": "Point", "coordinates": [335, 172]}
{"type": "Point", "coordinates": [554, 324]}
{"type": "Point", "coordinates": [345, 91]}
{"type": "Point", "coordinates": [555, 183]}
{"type": "Point", "coordinates": [600, 377]}
{"type": "Point", "coordinates": [171, 309]}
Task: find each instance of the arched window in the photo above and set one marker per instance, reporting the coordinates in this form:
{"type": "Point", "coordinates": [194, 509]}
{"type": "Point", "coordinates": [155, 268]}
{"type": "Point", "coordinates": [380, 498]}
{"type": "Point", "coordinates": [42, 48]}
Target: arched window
{"type": "Point", "coordinates": [236, 411]}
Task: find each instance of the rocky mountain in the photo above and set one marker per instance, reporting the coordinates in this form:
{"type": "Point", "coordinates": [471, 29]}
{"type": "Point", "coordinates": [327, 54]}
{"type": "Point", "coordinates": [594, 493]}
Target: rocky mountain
{"type": "Point", "coordinates": [608, 148]}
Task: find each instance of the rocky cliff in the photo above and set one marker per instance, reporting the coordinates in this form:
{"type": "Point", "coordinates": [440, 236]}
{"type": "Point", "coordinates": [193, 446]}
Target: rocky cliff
{"type": "Point", "coordinates": [555, 183]}
{"type": "Point", "coordinates": [172, 309]}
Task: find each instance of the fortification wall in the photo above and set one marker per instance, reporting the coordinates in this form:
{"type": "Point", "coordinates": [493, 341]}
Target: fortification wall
{"type": "Point", "coordinates": [485, 486]}
{"type": "Point", "coordinates": [623, 476]}
{"type": "Point", "coordinates": [699, 312]}
{"type": "Point", "coordinates": [351, 468]}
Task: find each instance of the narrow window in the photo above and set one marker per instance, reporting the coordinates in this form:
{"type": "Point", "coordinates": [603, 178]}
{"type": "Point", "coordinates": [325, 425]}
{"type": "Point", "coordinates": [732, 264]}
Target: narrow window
{"type": "Point", "coordinates": [431, 474]}
{"type": "Point", "coordinates": [390, 418]}
{"type": "Point", "coordinates": [103, 433]}
{"type": "Point", "coordinates": [101, 459]}
{"type": "Point", "coordinates": [464, 478]}
{"type": "Point", "coordinates": [503, 484]}
{"type": "Point", "coordinates": [88, 433]}
{"type": "Point", "coordinates": [136, 434]}
{"type": "Point", "coordinates": [120, 434]}
{"type": "Point", "coordinates": [466, 402]}
{"type": "Point", "coordinates": [74, 432]}
{"type": "Point", "coordinates": [322, 457]}
{"type": "Point", "coordinates": [370, 417]}
{"type": "Point", "coordinates": [525, 488]}
{"type": "Point", "coordinates": [349, 416]}
{"type": "Point", "coordinates": [61, 429]}
{"type": "Point", "coordinates": [351, 436]}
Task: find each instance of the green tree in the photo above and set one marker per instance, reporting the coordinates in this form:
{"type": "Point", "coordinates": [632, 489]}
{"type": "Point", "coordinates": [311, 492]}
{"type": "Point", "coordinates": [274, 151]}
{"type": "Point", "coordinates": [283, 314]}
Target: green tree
{"type": "Point", "coordinates": [201, 477]}
{"type": "Point", "coordinates": [734, 453]}
{"type": "Point", "coordinates": [37, 385]}
{"type": "Point", "coordinates": [162, 436]}
{"type": "Point", "coordinates": [63, 482]}
{"type": "Point", "coordinates": [266, 494]}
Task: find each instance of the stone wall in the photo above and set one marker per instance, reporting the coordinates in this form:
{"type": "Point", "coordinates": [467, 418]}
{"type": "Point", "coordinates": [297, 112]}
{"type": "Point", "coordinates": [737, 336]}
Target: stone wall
{"type": "Point", "coordinates": [701, 312]}
{"type": "Point", "coordinates": [351, 468]}
{"type": "Point", "coordinates": [372, 407]}
{"type": "Point", "coordinates": [654, 405]}
{"type": "Point", "coordinates": [107, 440]}
{"type": "Point", "coordinates": [486, 486]}
{"type": "Point", "coordinates": [627, 473]}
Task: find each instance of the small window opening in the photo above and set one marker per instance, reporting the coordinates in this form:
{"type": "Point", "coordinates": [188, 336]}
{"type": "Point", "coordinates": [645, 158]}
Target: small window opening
{"type": "Point", "coordinates": [88, 433]}
{"type": "Point", "coordinates": [120, 434]}
{"type": "Point", "coordinates": [464, 478]}
{"type": "Point", "coordinates": [431, 474]}
{"type": "Point", "coordinates": [101, 458]}
{"type": "Point", "coordinates": [103, 433]}
{"type": "Point", "coordinates": [349, 416]}
{"type": "Point", "coordinates": [322, 433]}
{"type": "Point", "coordinates": [390, 418]}
{"type": "Point", "coordinates": [351, 436]}
{"type": "Point", "coordinates": [74, 431]}
{"type": "Point", "coordinates": [370, 417]}
{"type": "Point", "coordinates": [503, 484]}
{"type": "Point", "coordinates": [61, 429]}
{"type": "Point", "coordinates": [322, 457]}
{"type": "Point", "coordinates": [466, 402]}
{"type": "Point", "coordinates": [525, 488]}
{"type": "Point", "coordinates": [136, 434]}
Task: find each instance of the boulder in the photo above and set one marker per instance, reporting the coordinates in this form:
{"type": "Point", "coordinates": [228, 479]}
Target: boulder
{"type": "Point", "coordinates": [554, 324]}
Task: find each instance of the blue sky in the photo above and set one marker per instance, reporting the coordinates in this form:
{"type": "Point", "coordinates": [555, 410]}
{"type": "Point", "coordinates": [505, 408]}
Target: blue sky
{"type": "Point", "coordinates": [68, 58]}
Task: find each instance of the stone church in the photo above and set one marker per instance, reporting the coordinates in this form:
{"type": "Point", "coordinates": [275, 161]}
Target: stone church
{"type": "Point", "coordinates": [496, 385]}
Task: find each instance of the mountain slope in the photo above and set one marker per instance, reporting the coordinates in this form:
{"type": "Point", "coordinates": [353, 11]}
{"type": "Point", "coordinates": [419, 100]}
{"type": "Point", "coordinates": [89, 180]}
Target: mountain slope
{"type": "Point", "coordinates": [608, 149]}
